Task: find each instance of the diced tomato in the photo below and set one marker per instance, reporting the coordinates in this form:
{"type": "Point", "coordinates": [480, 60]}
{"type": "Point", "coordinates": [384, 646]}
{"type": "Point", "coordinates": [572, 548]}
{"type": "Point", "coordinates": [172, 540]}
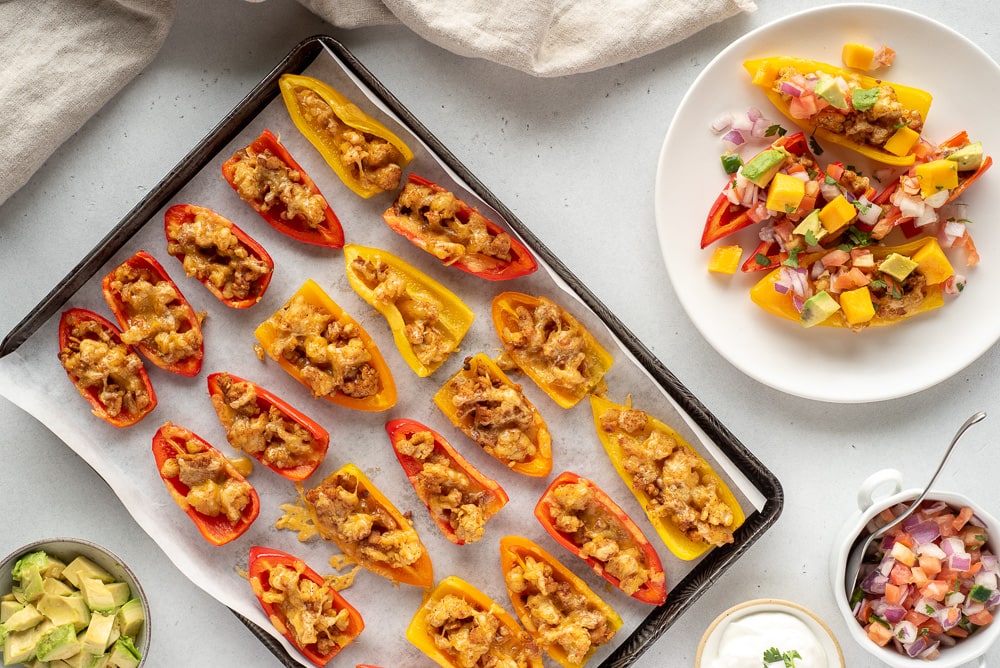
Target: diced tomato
{"type": "Point", "coordinates": [851, 279]}
{"type": "Point", "coordinates": [900, 574]}
{"type": "Point", "coordinates": [920, 576]}
{"type": "Point", "coordinates": [935, 590]}
{"type": "Point", "coordinates": [964, 515]}
{"type": "Point", "coordinates": [981, 618]}
{"type": "Point", "coordinates": [946, 523]}
{"type": "Point", "coordinates": [835, 258]}
{"type": "Point", "coordinates": [879, 634]}
{"type": "Point", "coordinates": [894, 593]}
{"type": "Point", "coordinates": [931, 566]}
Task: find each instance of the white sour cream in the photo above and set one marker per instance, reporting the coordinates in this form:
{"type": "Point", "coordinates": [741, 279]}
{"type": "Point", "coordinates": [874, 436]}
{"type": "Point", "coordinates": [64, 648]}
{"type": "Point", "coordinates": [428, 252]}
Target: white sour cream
{"type": "Point", "coordinates": [745, 639]}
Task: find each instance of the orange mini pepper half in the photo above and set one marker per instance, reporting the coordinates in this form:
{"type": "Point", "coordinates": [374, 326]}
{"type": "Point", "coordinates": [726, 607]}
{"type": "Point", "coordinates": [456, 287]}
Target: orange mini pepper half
{"type": "Point", "coordinates": [693, 529]}
{"type": "Point", "coordinates": [314, 617]}
{"type": "Point", "coordinates": [536, 333]}
{"type": "Point", "coordinates": [154, 315]}
{"type": "Point", "coordinates": [267, 428]}
{"type": "Point", "coordinates": [214, 505]}
{"type": "Point", "coordinates": [581, 517]}
{"type": "Point", "coordinates": [364, 153]}
{"type": "Point", "coordinates": [548, 597]}
{"type": "Point", "coordinates": [266, 177]}
{"type": "Point", "coordinates": [217, 253]}
{"type": "Point", "coordinates": [469, 400]}
{"type": "Point", "coordinates": [459, 497]}
{"type": "Point", "coordinates": [351, 512]}
{"type": "Point", "coordinates": [428, 321]}
{"type": "Point", "coordinates": [120, 394]}
{"type": "Point", "coordinates": [453, 611]}
{"type": "Point", "coordinates": [346, 369]}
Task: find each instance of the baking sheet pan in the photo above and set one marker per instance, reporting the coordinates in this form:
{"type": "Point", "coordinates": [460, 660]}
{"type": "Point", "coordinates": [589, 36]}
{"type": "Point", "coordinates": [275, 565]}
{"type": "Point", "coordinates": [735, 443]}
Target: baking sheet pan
{"type": "Point", "coordinates": [31, 377]}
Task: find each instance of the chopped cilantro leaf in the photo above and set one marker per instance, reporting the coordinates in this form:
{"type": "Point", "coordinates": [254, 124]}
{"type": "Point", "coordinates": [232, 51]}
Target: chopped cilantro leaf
{"type": "Point", "coordinates": [864, 99]}
{"type": "Point", "coordinates": [775, 129]}
{"type": "Point", "coordinates": [773, 655]}
{"type": "Point", "coordinates": [814, 145]}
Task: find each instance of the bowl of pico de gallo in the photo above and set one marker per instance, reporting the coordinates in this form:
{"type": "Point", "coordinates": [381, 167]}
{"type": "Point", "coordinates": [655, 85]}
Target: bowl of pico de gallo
{"type": "Point", "coordinates": [932, 588]}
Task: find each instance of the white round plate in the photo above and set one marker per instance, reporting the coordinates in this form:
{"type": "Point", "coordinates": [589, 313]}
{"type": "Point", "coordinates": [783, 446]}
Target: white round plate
{"type": "Point", "coordinates": [827, 363]}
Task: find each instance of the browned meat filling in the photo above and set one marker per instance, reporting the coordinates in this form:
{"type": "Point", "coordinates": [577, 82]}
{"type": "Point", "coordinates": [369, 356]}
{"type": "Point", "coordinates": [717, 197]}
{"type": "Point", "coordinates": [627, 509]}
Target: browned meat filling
{"type": "Point", "coordinates": [278, 441]}
{"type": "Point", "coordinates": [308, 609]}
{"type": "Point", "coordinates": [678, 483]}
{"type": "Point", "coordinates": [99, 362]}
{"type": "Point", "coordinates": [421, 316]}
{"type": "Point", "coordinates": [496, 415]}
{"type": "Point", "coordinates": [562, 617]}
{"type": "Point", "coordinates": [211, 252]}
{"type": "Point", "coordinates": [347, 515]}
{"type": "Point", "coordinates": [211, 490]}
{"type": "Point", "coordinates": [552, 343]}
{"type": "Point", "coordinates": [266, 180]}
{"type": "Point", "coordinates": [371, 160]}
{"type": "Point", "coordinates": [576, 513]}
{"type": "Point", "coordinates": [434, 217]}
{"type": "Point", "coordinates": [446, 490]}
{"type": "Point", "coordinates": [471, 637]}
{"type": "Point", "coordinates": [873, 126]}
{"type": "Point", "coordinates": [330, 355]}
{"type": "Point", "coordinates": [157, 316]}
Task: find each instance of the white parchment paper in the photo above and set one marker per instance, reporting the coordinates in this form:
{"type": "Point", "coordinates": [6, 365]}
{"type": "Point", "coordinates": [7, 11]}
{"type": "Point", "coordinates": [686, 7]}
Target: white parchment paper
{"type": "Point", "coordinates": [32, 378]}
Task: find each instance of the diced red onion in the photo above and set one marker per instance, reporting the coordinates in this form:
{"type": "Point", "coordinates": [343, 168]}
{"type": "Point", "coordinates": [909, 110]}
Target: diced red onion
{"type": "Point", "coordinates": [734, 137]}
{"type": "Point", "coordinates": [931, 550]}
{"type": "Point", "coordinates": [754, 114]}
{"type": "Point", "coordinates": [868, 212]}
{"type": "Point", "coordinates": [759, 128]}
{"type": "Point", "coordinates": [925, 531]}
{"type": "Point", "coordinates": [960, 561]}
{"type": "Point", "coordinates": [928, 216]}
{"type": "Point", "coordinates": [952, 545]}
{"type": "Point", "coordinates": [905, 630]}
{"type": "Point", "coordinates": [875, 583]}
{"type": "Point", "coordinates": [788, 88]}
{"type": "Point", "coordinates": [722, 122]}
{"type": "Point", "coordinates": [937, 199]}
{"type": "Point", "coordinates": [894, 614]}
{"type": "Point", "coordinates": [829, 191]}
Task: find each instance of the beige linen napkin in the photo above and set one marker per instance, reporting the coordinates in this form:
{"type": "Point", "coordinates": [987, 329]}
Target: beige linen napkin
{"type": "Point", "coordinates": [61, 61]}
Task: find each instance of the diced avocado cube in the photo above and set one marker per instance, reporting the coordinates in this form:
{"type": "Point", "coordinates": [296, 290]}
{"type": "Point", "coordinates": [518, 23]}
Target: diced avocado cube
{"type": "Point", "coordinates": [97, 595]}
{"type": "Point", "coordinates": [898, 266]}
{"type": "Point", "coordinates": [83, 567]}
{"type": "Point", "coordinates": [829, 89]}
{"type": "Point", "coordinates": [33, 561]}
{"type": "Point", "coordinates": [19, 646]}
{"type": "Point", "coordinates": [811, 228]}
{"type": "Point", "coordinates": [8, 608]}
{"type": "Point", "coordinates": [58, 643]}
{"type": "Point", "coordinates": [56, 587]}
{"type": "Point", "coordinates": [27, 617]}
{"type": "Point", "coordinates": [120, 593]}
{"type": "Point", "coordinates": [818, 308]}
{"type": "Point", "coordinates": [762, 167]}
{"type": "Point", "coordinates": [131, 618]}
{"type": "Point", "coordinates": [65, 610]}
{"type": "Point", "coordinates": [124, 654]}
{"type": "Point", "coordinates": [31, 586]}
{"type": "Point", "coordinates": [968, 157]}
{"type": "Point", "coordinates": [98, 635]}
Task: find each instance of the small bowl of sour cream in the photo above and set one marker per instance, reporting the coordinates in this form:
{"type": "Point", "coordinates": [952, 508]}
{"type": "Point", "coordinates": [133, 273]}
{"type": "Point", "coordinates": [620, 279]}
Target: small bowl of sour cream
{"type": "Point", "coordinates": [742, 636]}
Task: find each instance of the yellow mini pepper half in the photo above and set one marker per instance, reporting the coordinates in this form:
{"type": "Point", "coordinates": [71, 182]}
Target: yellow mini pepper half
{"type": "Point", "coordinates": [765, 72]}
{"type": "Point", "coordinates": [633, 438]}
{"type": "Point", "coordinates": [366, 155]}
{"type": "Point", "coordinates": [428, 321]}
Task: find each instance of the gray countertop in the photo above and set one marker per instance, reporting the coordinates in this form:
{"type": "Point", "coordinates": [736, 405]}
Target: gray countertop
{"type": "Point", "coordinates": [572, 157]}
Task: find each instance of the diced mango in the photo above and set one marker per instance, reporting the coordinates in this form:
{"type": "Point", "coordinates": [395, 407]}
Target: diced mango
{"type": "Point", "coordinates": [935, 176]}
{"type": "Point", "coordinates": [857, 56]}
{"type": "Point", "coordinates": [902, 141]}
{"type": "Point", "coordinates": [933, 263]}
{"type": "Point", "coordinates": [857, 305]}
{"type": "Point", "coordinates": [785, 193]}
{"type": "Point", "coordinates": [725, 259]}
{"type": "Point", "coordinates": [836, 214]}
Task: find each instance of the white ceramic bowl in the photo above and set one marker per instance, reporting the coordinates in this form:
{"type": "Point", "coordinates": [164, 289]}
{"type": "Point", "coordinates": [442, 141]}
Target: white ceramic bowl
{"type": "Point", "coordinates": [882, 490]}
{"type": "Point", "coordinates": [708, 648]}
{"type": "Point", "coordinates": [65, 549]}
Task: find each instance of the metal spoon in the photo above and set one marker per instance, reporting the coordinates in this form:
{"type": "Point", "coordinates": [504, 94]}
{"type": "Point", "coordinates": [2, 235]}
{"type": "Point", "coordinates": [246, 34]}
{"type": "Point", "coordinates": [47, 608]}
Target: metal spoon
{"type": "Point", "coordinates": [864, 542]}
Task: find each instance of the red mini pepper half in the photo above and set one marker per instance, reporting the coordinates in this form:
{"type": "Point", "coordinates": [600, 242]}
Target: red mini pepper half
{"type": "Point", "coordinates": [268, 428]}
{"type": "Point", "coordinates": [154, 315]}
{"type": "Point", "coordinates": [479, 497]}
{"type": "Point", "coordinates": [213, 503]}
{"type": "Point", "coordinates": [213, 250]}
{"type": "Point", "coordinates": [330, 619]}
{"type": "Point", "coordinates": [437, 221]}
{"type": "Point", "coordinates": [575, 512]}
{"type": "Point", "coordinates": [266, 177]}
{"type": "Point", "coordinates": [105, 371]}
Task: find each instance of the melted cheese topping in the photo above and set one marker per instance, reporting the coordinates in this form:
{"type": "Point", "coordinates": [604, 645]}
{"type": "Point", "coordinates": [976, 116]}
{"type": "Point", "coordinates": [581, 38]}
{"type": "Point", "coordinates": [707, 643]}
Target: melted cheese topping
{"type": "Point", "coordinates": [277, 440]}
{"type": "Point", "coordinates": [211, 252]}
{"type": "Point", "coordinates": [433, 217]}
{"type": "Point", "coordinates": [561, 617]}
{"type": "Point", "coordinates": [371, 160]}
{"type": "Point", "coordinates": [446, 490]}
{"type": "Point", "coordinates": [157, 315]}
{"type": "Point", "coordinates": [264, 180]}
{"type": "Point", "coordinates": [679, 484]}
{"type": "Point", "coordinates": [576, 513]}
{"type": "Point", "coordinates": [98, 362]}
{"type": "Point", "coordinates": [307, 610]}
{"type": "Point", "coordinates": [473, 638]}
{"type": "Point", "coordinates": [212, 490]}
{"type": "Point", "coordinates": [330, 355]}
{"type": "Point", "coordinates": [350, 517]}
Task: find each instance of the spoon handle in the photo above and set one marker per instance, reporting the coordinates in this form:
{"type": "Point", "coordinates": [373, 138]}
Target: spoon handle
{"type": "Point", "coordinates": [916, 503]}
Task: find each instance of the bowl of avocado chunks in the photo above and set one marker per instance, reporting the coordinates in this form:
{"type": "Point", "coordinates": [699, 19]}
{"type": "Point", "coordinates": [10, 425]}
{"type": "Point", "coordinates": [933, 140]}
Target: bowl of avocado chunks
{"type": "Point", "coordinates": [70, 603]}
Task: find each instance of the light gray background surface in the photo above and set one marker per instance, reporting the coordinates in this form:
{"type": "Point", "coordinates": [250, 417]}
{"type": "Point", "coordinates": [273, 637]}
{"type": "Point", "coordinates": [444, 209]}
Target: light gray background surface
{"type": "Point", "coordinates": [574, 158]}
